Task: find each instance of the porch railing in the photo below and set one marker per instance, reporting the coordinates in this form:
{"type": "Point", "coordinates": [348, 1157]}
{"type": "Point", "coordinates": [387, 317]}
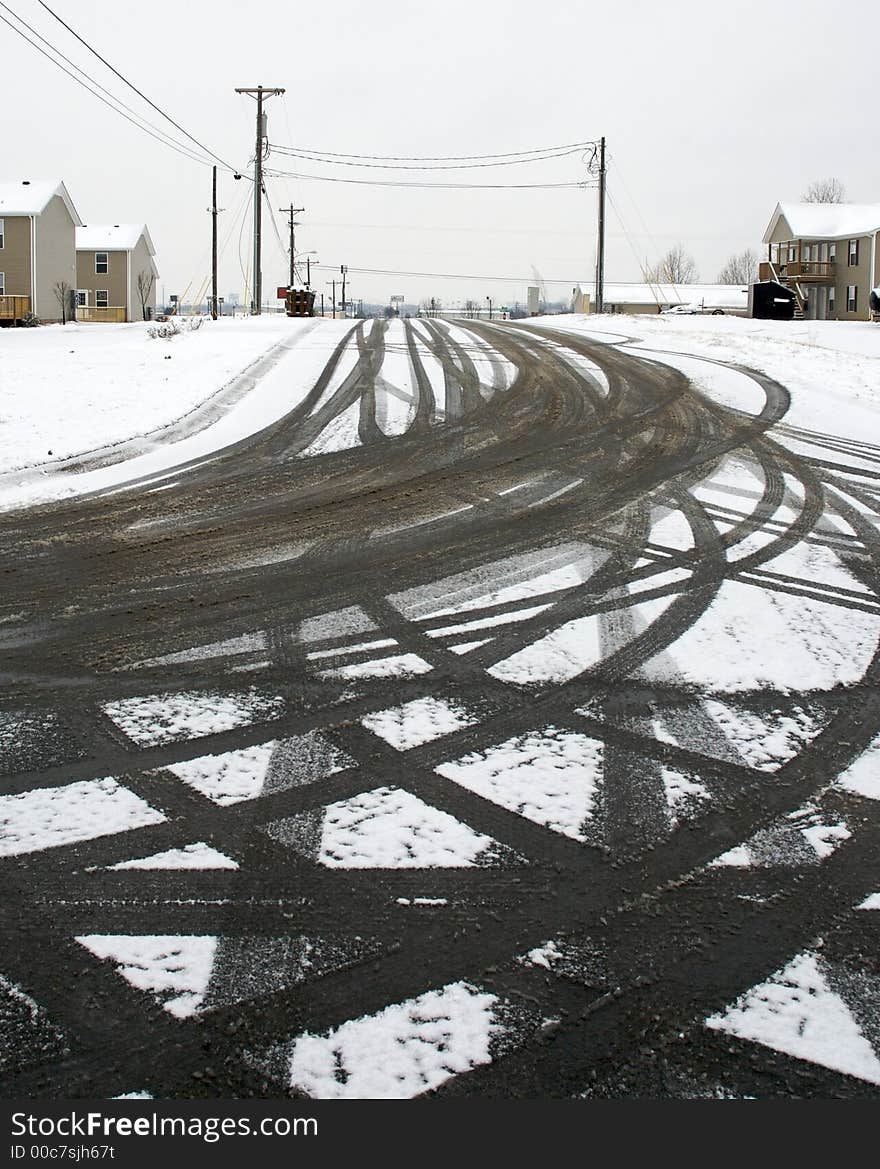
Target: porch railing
{"type": "Point", "coordinates": [114, 314]}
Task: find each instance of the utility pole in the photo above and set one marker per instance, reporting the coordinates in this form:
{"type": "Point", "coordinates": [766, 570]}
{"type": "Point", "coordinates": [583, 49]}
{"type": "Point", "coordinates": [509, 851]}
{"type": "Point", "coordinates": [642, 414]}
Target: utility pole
{"type": "Point", "coordinates": [322, 304]}
{"type": "Point", "coordinates": [214, 247]}
{"type": "Point", "coordinates": [343, 269]}
{"type": "Point", "coordinates": [333, 282]}
{"type": "Point", "coordinates": [291, 211]}
{"type": "Point", "coordinates": [259, 92]}
{"type": "Point", "coordinates": [309, 273]}
{"type": "Point", "coordinates": [600, 251]}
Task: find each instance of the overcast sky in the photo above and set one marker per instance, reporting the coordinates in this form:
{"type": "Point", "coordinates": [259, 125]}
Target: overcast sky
{"type": "Point", "coordinates": [712, 113]}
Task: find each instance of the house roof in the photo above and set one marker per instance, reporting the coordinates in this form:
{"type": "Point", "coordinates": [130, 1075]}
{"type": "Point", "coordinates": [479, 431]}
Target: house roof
{"type": "Point", "coordinates": [112, 237]}
{"type": "Point", "coordinates": [712, 295]}
{"type": "Point", "coordinates": [826, 220]}
{"type": "Point", "coordinates": [29, 197]}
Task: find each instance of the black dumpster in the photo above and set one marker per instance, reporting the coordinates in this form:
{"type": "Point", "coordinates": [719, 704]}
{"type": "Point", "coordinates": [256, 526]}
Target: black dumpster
{"type": "Point", "coordinates": [769, 301]}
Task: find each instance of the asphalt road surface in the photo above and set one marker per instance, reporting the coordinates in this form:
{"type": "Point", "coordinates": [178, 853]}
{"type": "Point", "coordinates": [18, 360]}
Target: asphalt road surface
{"type": "Point", "coordinates": [398, 735]}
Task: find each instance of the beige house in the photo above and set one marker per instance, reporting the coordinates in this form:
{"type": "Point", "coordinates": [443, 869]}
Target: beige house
{"type": "Point", "coordinates": [115, 272]}
{"type": "Point", "coordinates": [37, 249]}
{"type": "Point", "coordinates": [827, 254]}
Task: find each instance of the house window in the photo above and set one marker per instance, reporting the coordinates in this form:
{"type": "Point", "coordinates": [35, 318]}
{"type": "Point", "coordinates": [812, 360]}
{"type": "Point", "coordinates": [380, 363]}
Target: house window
{"type": "Point", "coordinates": [2, 233]}
{"type": "Point", "coordinates": [792, 253]}
{"type": "Point", "coordinates": [102, 264]}
{"type": "Point", "coordinates": [808, 252]}
{"type": "Point", "coordinates": [832, 253]}
{"type": "Point", "coordinates": [852, 296]}
{"type": "Point", "coordinates": [853, 256]}
{"type": "Point", "coordinates": [823, 253]}
{"type": "Point", "coordinates": [102, 298]}
{"type": "Point", "coordinates": [832, 293]}
{"type": "Point", "coordinates": [82, 298]}
{"type": "Point", "coordinates": [2, 283]}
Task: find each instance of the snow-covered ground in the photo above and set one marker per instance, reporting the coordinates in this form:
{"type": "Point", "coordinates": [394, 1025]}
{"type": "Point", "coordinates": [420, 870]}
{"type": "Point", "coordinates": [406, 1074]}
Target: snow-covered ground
{"type": "Point", "coordinates": [71, 389]}
{"type": "Point", "coordinates": [831, 368]}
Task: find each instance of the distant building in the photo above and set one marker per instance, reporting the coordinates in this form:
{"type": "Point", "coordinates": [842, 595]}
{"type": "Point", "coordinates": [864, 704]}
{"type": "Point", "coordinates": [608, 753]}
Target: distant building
{"type": "Point", "coordinates": [38, 222]}
{"type": "Point", "coordinates": [638, 299]}
{"type": "Point", "coordinates": [111, 259]}
{"type": "Point", "coordinates": [827, 254]}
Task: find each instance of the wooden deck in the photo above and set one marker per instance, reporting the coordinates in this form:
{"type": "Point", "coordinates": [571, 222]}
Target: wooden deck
{"type": "Point", "coordinates": [14, 308]}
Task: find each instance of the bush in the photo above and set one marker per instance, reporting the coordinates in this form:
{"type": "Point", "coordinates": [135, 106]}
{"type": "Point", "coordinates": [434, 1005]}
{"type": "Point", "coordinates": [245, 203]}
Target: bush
{"type": "Point", "coordinates": [30, 321]}
{"type": "Point", "coordinates": [174, 327]}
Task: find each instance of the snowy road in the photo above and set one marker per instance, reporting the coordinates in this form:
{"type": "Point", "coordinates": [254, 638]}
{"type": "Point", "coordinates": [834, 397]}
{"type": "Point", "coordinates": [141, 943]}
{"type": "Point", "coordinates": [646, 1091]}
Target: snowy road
{"type": "Point", "coordinates": [502, 720]}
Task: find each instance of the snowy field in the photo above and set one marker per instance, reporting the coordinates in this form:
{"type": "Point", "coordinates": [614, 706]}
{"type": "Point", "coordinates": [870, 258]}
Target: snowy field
{"type": "Point", "coordinates": [831, 368]}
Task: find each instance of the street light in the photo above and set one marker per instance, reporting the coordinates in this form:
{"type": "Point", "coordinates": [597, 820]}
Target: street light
{"type": "Point", "coordinates": [489, 298]}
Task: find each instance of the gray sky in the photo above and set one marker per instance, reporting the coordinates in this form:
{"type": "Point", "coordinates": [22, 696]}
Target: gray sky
{"type": "Point", "coordinates": [712, 113]}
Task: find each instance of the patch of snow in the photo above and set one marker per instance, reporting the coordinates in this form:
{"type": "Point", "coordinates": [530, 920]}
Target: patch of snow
{"type": "Point", "coordinates": [166, 718]}
{"type": "Point", "coordinates": [417, 722]}
{"type": "Point", "coordinates": [797, 1013]}
{"type": "Point", "coordinates": [176, 970]}
{"type": "Point", "coordinates": [191, 856]}
{"type": "Point", "coordinates": [550, 777]}
{"type": "Point", "coordinates": [49, 817]}
{"type": "Point", "coordinates": [402, 1051]}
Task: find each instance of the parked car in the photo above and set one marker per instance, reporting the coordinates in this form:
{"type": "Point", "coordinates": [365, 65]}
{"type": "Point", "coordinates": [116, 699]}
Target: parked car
{"type": "Point", "coordinates": [691, 310]}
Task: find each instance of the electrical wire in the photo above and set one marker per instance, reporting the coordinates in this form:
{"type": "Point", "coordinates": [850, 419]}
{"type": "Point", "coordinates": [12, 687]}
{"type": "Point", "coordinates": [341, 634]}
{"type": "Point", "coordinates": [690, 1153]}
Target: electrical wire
{"type": "Point", "coordinates": [440, 275]}
{"type": "Point", "coordinates": [581, 184]}
{"type": "Point", "coordinates": [293, 153]}
{"type": "Point", "coordinates": [440, 157]}
{"type": "Point", "coordinates": [154, 133]}
{"type": "Point", "coordinates": [133, 87]}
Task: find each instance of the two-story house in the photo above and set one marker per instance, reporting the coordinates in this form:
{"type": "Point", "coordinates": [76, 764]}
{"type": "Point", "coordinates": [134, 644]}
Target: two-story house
{"type": "Point", "coordinates": [827, 254]}
{"type": "Point", "coordinates": [38, 222]}
{"type": "Point", "coordinates": [115, 272]}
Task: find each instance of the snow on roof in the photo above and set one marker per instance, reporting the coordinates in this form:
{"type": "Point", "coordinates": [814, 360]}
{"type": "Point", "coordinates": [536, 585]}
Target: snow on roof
{"type": "Point", "coordinates": [712, 295]}
{"type": "Point", "coordinates": [27, 197]}
{"type": "Point", "coordinates": [826, 220]}
{"type": "Point", "coordinates": [112, 237]}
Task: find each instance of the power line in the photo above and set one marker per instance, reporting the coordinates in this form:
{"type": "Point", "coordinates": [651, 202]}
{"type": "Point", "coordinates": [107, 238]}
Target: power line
{"type": "Point", "coordinates": [159, 135]}
{"type": "Point", "coordinates": [309, 157]}
{"type": "Point", "coordinates": [438, 158]}
{"type": "Point", "coordinates": [443, 275]}
{"type": "Point", "coordinates": [571, 185]}
{"type": "Point", "coordinates": [133, 87]}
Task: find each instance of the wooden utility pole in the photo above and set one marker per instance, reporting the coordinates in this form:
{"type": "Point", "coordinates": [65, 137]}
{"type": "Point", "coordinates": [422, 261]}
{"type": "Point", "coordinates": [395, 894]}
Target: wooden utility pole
{"type": "Point", "coordinates": [309, 273]}
{"type": "Point", "coordinates": [291, 211]}
{"type": "Point", "coordinates": [343, 269]}
{"type": "Point", "coordinates": [214, 247]}
{"type": "Point", "coordinates": [259, 92]}
{"type": "Point", "coordinates": [333, 282]}
{"type": "Point", "coordinates": [600, 251]}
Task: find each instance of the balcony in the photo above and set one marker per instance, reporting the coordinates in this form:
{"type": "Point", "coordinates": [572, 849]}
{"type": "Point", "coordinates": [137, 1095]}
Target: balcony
{"type": "Point", "coordinates": [14, 308]}
{"type": "Point", "coordinates": [804, 271]}
{"type": "Point", "coordinates": [113, 314]}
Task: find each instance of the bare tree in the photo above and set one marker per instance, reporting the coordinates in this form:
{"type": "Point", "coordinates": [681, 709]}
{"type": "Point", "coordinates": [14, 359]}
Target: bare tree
{"type": "Point", "coordinates": [676, 267]}
{"type": "Point", "coordinates": [741, 268]}
{"type": "Point", "coordinates": [825, 191]}
{"type": "Point", "coordinates": [62, 292]}
{"type": "Point", "coordinates": [145, 282]}
{"type": "Point", "coordinates": [472, 308]}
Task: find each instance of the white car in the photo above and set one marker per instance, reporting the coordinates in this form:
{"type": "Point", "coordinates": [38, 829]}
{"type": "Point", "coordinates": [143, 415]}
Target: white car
{"type": "Point", "coordinates": [691, 310]}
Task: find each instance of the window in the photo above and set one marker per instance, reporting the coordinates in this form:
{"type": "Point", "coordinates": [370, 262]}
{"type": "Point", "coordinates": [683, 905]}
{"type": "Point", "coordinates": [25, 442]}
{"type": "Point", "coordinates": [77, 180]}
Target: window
{"type": "Point", "coordinates": [808, 252]}
{"type": "Point", "coordinates": [832, 293]}
{"type": "Point", "coordinates": [2, 283]}
{"type": "Point", "coordinates": [82, 298]}
{"type": "Point", "coordinates": [792, 253]}
{"type": "Point", "coordinates": [102, 263]}
{"type": "Point", "coordinates": [853, 256]}
{"type": "Point", "coordinates": [852, 297]}
{"type": "Point", "coordinates": [102, 298]}
{"type": "Point", "coordinates": [823, 253]}
{"type": "Point", "coordinates": [832, 253]}
{"type": "Point", "coordinates": [2, 234]}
